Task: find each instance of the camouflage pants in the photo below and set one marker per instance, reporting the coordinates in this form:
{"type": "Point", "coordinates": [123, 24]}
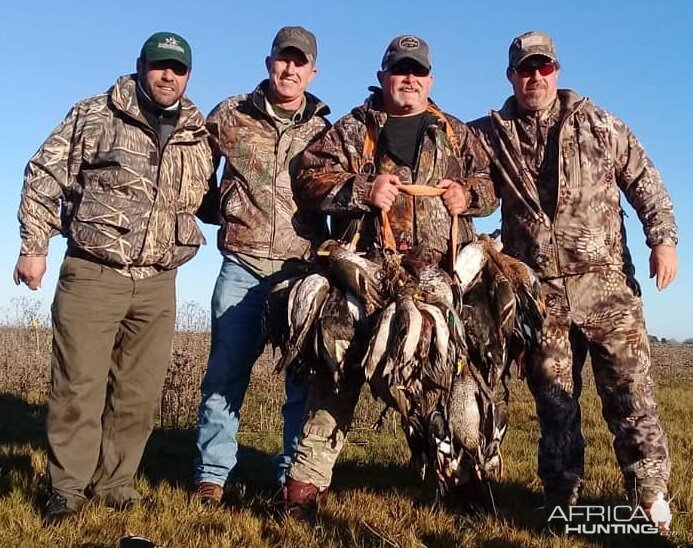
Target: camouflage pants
{"type": "Point", "coordinates": [329, 416]}
{"type": "Point", "coordinates": [601, 314]}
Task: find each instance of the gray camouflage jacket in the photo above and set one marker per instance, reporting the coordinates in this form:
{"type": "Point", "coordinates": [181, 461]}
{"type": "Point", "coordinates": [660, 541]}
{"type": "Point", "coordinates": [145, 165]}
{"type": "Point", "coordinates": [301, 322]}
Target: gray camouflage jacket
{"type": "Point", "coordinates": [598, 158]}
{"type": "Point", "coordinates": [100, 180]}
{"type": "Point", "coordinates": [258, 213]}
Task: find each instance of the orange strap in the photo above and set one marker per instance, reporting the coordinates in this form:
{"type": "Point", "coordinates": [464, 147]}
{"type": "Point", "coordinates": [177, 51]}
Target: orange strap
{"type": "Point", "coordinates": [368, 156]}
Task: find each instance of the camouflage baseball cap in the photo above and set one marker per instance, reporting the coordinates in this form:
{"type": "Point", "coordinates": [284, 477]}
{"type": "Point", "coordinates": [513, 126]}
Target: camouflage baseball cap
{"type": "Point", "coordinates": [407, 46]}
{"type": "Point", "coordinates": [528, 44]}
{"type": "Point", "coordinates": [295, 37]}
{"type": "Point", "coordinates": [167, 46]}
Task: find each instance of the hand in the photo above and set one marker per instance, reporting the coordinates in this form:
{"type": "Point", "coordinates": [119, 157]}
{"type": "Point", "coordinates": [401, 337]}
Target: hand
{"type": "Point", "coordinates": [455, 198]}
{"type": "Point", "coordinates": [663, 265]}
{"type": "Point", "coordinates": [30, 271]}
{"type": "Point", "coordinates": [384, 191]}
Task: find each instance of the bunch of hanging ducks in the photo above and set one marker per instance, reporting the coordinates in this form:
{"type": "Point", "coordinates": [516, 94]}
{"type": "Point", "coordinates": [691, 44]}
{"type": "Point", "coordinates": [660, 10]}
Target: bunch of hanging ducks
{"type": "Point", "coordinates": [433, 347]}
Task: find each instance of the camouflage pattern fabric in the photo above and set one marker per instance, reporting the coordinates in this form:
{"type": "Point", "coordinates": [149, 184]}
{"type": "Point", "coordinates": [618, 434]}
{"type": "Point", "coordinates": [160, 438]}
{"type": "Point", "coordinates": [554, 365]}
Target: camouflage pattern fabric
{"type": "Point", "coordinates": [597, 157]}
{"type": "Point", "coordinates": [559, 174]}
{"type": "Point", "coordinates": [259, 215]}
{"type": "Point", "coordinates": [100, 180]}
{"type": "Point", "coordinates": [599, 313]}
{"type": "Point", "coordinates": [335, 178]}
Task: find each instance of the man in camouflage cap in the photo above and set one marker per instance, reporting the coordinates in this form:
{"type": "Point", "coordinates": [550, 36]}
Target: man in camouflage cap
{"type": "Point", "coordinates": [121, 177]}
{"type": "Point", "coordinates": [398, 137]}
{"type": "Point", "coordinates": [262, 239]}
{"type": "Point", "coordinates": [560, 166]}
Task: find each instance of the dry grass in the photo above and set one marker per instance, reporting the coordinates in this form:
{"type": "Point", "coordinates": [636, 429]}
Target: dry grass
{"type": "Point", "coordinates": [375, 501]}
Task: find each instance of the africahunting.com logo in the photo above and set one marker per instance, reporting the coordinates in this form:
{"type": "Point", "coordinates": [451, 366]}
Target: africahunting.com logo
{"type": "Point", "coordinates": [607, 520]}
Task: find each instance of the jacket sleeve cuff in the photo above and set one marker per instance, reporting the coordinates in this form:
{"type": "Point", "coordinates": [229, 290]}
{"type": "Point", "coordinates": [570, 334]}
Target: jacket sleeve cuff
{"type": "Point", "coordinates": [362, 187]}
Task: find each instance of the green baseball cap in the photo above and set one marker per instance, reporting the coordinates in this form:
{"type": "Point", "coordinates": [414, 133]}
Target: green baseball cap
{"type": "Point", "coordinates": [167, 46]}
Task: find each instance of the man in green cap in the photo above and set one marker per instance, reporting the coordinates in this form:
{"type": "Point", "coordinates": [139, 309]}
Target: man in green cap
{"type": "Point", "coordinates": [258, 136]}
{"type": "Point", "coordinates": [121, 178]}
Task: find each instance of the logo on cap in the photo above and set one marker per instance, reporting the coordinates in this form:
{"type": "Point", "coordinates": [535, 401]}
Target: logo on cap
{"type": "Point", "coordinates": [409, 42]}
{"type": "Point", "coordinates": [171, 43]}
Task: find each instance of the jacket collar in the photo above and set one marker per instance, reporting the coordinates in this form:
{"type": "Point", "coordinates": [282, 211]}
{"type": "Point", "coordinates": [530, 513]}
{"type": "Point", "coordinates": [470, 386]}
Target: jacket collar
{"type": "Point", "coordinates": [123, 96]}
{"type": "Point", "coordinates": [313, 107]}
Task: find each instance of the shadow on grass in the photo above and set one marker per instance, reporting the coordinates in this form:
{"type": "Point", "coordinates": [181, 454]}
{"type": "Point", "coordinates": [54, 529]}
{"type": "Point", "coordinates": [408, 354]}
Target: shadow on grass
{"type": "Point", "coordinates": [21, 422]}
{"type": "Point", "coordinates": [170, 453]}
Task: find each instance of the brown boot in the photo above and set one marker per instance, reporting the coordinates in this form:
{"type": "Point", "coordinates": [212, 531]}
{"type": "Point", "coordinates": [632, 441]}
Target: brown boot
{"type": "Point", "coordinates": [300, 501]}
{"type": "Point", "coordinates": [208, 493]}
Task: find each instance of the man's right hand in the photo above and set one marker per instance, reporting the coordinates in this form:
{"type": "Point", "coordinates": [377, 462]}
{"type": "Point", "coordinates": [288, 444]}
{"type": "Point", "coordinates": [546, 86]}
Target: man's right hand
{"type": "Point", "coordinates": [384, 191]}
{"type": "Point", "coordinates": [30, 271]}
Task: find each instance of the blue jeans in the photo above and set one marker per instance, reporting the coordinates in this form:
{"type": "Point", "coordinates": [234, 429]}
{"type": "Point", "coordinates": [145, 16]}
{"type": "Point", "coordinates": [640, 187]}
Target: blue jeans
{"type": "Point", "coordinates": [237, 305]}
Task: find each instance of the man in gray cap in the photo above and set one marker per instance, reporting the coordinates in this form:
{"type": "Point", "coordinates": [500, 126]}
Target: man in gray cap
{"type": "Point", "coordinates": [398, 137]}
{"type": "Point", "coordinates": [121, 177]}
{"type": "Point", "coordinates": [262, 238]}
{"type": "Point", "coordinates": [560, 166]}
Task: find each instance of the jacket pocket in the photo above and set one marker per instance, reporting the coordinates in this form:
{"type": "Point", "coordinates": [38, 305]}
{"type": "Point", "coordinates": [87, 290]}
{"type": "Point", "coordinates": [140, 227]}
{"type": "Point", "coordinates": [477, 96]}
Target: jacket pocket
{"type": "Point", "coordinates": [188, 239]}
{"type": "Point", "coordinates": [109, 226]}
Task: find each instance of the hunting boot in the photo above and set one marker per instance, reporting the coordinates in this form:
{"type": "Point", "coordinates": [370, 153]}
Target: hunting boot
{"type": "Point", "coordinates": [300, 501]}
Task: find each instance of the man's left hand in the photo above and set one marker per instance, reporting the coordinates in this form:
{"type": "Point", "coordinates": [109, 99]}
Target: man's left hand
{"type": "Point", "coordinates": [454, 198]}
{"type": "Point", "coordinates": [663, 265]}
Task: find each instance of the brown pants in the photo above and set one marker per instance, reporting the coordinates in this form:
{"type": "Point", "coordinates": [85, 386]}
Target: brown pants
{"type": "Point", "coordinates": [112, 339]}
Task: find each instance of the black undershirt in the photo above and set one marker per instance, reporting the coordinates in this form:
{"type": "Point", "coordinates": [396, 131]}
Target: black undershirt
{"type": "Point", "coordinates": [400, 137]}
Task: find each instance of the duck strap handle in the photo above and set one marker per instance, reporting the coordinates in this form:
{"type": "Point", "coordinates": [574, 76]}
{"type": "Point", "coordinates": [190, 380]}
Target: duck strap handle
{"type": "Point", "coordinates": [420, 191]}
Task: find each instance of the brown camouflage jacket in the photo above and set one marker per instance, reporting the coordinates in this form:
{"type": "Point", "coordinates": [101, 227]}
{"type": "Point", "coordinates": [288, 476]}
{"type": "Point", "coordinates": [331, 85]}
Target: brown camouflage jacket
{"type": "Point", "coordinates": [258, 213]}
{"type": "Point", "coordinates": [336, 177]}
{"type": "Point", "coordinates": [598, 157]}
{"type": "Point", "coordinates": [100, 180]}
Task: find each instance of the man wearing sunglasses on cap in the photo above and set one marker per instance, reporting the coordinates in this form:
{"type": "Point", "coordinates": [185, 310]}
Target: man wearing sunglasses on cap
{"type": "Point", "coordinates": [560, 165]}
{"type": "Point", "coordinates": [397, 137]}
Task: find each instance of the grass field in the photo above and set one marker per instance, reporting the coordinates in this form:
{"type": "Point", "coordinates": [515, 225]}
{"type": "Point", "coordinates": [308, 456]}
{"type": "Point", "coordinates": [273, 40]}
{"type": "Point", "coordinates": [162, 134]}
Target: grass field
{"type": "Point", "coordinates": [375, 500]}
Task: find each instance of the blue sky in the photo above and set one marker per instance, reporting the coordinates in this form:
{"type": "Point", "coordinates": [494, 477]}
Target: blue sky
{"type": "Point", "coordinates": [632, 57]}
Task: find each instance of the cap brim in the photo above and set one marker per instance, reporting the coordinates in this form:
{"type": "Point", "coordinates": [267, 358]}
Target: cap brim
{"type": "Point", "coordinates": [299, 46]}
{"type": "Point", "coordinates": [535, 54]}
{"type": "Point", "coordinates": [396, 59]}
{"type": "Point", "coordinates": [164, 55]}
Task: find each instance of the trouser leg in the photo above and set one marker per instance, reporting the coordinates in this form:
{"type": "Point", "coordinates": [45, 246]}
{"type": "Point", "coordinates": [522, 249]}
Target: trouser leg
{"type": "Point", "coordinates": [620, 353]}
{"type": "Point", "coordinates": [293, 412]}
{"type": "Point", "coordinates": [237, 304]}
{"type": "Point", "coordinates": [553, 371]}
{"type": "Point", "coordinates": [89, 304]}
{"type": "Point", "coordinates": [328, 418]}
{"type": "Point", "coordinates": [140, 359]}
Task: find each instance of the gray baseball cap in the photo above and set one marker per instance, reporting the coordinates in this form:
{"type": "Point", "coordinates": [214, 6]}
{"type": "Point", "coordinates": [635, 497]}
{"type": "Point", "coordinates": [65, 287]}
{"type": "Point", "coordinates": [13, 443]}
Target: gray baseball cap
{"type": "Point", "coordinates": [295, 37]}
{"type": "Point", "coordinates": [528, 44]}
{"type": "Point", "coordinates": [407, 46]}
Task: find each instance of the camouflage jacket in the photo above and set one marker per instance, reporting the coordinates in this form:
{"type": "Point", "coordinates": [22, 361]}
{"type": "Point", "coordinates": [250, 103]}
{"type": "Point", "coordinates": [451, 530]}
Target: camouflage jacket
{"type": "Point", "coordinates": [598, 156]}
{"type": "Point", "coordinates": [100, 180]}
{"type": "Point", "coordinates": [258, 213]}
{"type": "Point", "coordinates": [336, 177]}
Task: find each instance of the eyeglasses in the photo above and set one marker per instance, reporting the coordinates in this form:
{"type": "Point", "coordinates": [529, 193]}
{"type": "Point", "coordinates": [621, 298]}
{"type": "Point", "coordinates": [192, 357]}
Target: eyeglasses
{"type": "Point", "coordinates": [528, 71]}
{"type": "Point", "coordinates": [405, 69]}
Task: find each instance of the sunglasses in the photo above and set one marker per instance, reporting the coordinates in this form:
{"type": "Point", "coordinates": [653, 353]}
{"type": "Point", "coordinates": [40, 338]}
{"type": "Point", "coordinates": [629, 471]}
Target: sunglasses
{"type": "Point", "coordinates": [409, 68]}
{"type": "Point", "coordinates": [528, 72]}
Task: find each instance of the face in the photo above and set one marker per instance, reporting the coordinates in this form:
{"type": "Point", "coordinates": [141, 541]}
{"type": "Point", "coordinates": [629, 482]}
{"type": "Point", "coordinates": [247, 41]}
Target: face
{"type": "Point", "coordinates": [164, 81]}
{"type": "Point", "coordinates": [535, 83]}
{"type": "Point", "coordinates": [406, 87]}
{"type": "Point", "coordinates": [289, 75]}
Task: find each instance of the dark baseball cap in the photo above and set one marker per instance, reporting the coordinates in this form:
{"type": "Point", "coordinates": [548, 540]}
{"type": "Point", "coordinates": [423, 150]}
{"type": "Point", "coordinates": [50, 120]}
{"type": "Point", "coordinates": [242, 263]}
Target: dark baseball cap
{"type": "Point", "coordinates": [404, 47]}
{"type": "Point", "coordinates": [295, 37]}
{"type": "Point", "coordinates": [529, 44]}
{"type": "Point", "coordinates": [166, 46]}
